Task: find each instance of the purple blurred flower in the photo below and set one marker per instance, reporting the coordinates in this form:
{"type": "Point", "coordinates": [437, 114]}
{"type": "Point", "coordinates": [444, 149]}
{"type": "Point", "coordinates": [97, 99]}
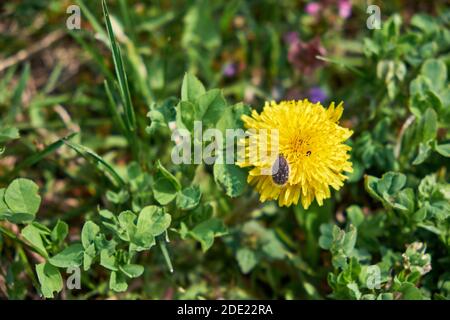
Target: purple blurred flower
{"type": "Point", "coordinates": [291, 37]}
{"type": "Point", "coordinates": [316, 94]}
{"type": "Point", "coordinates": [230, 70]}
{"type": "Point", "coordinates": [345, 8]}
{"type": "Point", "coordinates": [313, 8]}
{"type": "Point", "coordinates": [302, 55]}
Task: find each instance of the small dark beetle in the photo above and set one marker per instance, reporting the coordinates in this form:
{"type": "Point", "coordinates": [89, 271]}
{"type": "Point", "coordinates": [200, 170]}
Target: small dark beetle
{"type": "Point", "coordinates": [280, 171]}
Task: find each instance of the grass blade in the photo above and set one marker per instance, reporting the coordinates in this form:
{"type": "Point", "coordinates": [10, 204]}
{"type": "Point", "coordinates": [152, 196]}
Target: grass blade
{"type": "Point", "coordinates": [114, 108]}
{"type": "Point", "coordinates": [101, 164]}
{"type": "Point", "coordinates": [130, 119]}
{"type": "Point", "coordinates": [35, 158]}
{"type": "Point", "coordinates": [18, 92]}
{"type": "Point", "coordinates": [91, 18]}
{"type": "Point", "coordinates": [53, 78]}
{"type": "Point", "coordinates": [343, 64]}
{"type": "Point", "coordinates": [5, 81]}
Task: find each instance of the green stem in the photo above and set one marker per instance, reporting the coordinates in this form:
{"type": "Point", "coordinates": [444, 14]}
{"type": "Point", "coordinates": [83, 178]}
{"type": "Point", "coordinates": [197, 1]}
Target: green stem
{"type": "Point", "coordinates": [162, 246]}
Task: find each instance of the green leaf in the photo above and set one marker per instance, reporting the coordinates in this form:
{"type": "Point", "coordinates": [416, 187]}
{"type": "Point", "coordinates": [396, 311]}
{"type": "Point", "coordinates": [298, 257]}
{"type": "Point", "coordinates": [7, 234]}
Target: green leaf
{"type": "Point", "coordinates": [443, 149]}
{"type": "Point", "coordinates": [436, 71]}
{"type": "Point", "coordinates": [206, 231]}
{"type": "Point", "coordinates": [101, 243]}
{"type": "Point", "coordinates": [168, 175]}
{"type": "Point", "coordinates": [108, 215]}
{"type": "Point", "coordinates": [8, 134]}
{"type": "Point", "coordinates": [88, 256]}
{"type": "Point", "coordinates": [272, 246]}
{"type": "Point", "coordinates": [191, 88]}
{"type": "Point", "coordinates": [428, 124]}
{"type": "Point", "coordinates": [117, 197]}
{"type": "Point", "coordinates": [127, 223]}
{"type": "Point", "coordinates": [354, 290]}
{"type": "Point", "coordinates": [109, 220]}
{"type": "Point", "coordinates": [164, 191]}
{"type": "Point", "coordinates": [406, 198]}
{"type": "Point", "coordinates": [33, 235]}
{"type": "Point", "coordinates": [439, 209]}
{"type": "Point", "coordinates": [420, 102]}
{"type": "Point", "coordinates": [71, 256]}
{"type": "Point", "coordinates": [370, 184]}
{"type": "Point", "coordinates": [341, 243]}
{"type": "Point", "coordinates": [23, 199]}
{"type": "Point", "coordinates": [166, 186]}
{"type": "Point", "coordinates": [420, 215]}
{"type": "Point", "coordinates": [419, 86]}
{"type": "Point", "coordinates": [386, 188]}
{"type": "Point", "coordinates": [231, 178]}
{"type": "Point", "coordinates": [189, 198]}
{"type": "Point", "coordinates": [350, 240]}
{"type": "Point", "coordinates": [326, 236]}
{"type": "Point", "coordinates": [231, 117]}
{"type": "Point", "coordinates": [355, 215]}
{"type": "Point", "coordinates": [210, 107]}
{"type": "Point", "coordinates": [410, 292]}
{"type": "Point", "coordinates": [160, 116]}
{"type": "Point", "coordinates": [425, 23]}
{"type": "Point", "coordinates": [60, 232]}
{"type": "Point", "coordinates": [154, 220]}
{"type": "Point", "coordinates": [49, 278]}
{"type": "Point", "coordinates": [89, 233]}
{"type": "Point", "coordinates": [247, 259]}
{"type": "Point", "coordinates": [117, 282]}
{"type": "Point", "coordinates": [427, 186]}
{"type": "Point", "coordinates": [108, 260]}
{"type": "Point", "coordinates": [423, 154]}
{"type": "Point", "coordinates": [385, 296]}
{"type": "Point", "coordinates": [391, 183]}
{"type": "Point", "coordinates": [132, 270]}
{"type": "Point", "coordinates": [4, 210]}
{"type": "Point", "coordinates": [185, 115]}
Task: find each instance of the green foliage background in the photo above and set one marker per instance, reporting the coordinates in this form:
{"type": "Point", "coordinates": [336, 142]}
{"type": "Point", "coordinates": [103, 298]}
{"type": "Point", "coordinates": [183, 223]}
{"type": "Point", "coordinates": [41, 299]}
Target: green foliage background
{"type": "Point", "coordinates": [86, 178]}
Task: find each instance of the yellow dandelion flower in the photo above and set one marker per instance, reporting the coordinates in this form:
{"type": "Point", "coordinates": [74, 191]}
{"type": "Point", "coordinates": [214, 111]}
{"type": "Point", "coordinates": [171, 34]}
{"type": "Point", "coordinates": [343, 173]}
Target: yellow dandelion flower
{"type": "Point", "coordinates": [308, 157]}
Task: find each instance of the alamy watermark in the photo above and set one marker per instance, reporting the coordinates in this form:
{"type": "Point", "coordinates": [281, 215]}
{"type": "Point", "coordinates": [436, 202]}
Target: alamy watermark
{"type": "Point", "coordinates": [373, 280]}
{"type": "Point", "coordinates": [374, 20]}
{"type": "Point", "coordinates": [73, 282]}
{"type": "Point", "coordinates": [237, 146]}
{"type": "Point", "coordinates": [73, 22]}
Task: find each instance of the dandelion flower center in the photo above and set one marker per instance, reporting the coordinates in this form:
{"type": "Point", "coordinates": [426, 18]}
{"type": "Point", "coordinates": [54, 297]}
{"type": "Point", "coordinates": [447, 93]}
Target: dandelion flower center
{"type": "Point", "coordinates": [299, 147]}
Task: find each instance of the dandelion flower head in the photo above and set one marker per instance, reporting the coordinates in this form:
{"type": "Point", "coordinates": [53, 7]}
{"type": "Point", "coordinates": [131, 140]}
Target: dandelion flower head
{"type": "Point", "coordinates": [308, 157]}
